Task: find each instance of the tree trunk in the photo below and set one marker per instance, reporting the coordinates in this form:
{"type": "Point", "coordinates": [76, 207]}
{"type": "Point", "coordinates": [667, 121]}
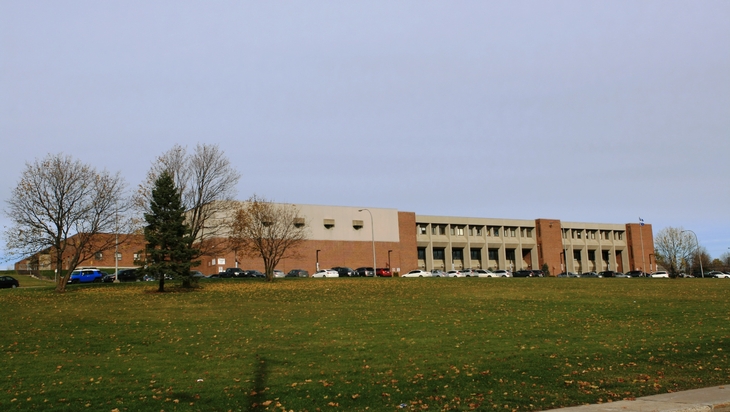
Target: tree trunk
{"type": "Point", "coordinates": [162, 284]}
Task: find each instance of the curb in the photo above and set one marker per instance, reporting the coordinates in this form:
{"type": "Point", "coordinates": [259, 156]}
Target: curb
{"type": "Point", "coordinates": [713, 399]}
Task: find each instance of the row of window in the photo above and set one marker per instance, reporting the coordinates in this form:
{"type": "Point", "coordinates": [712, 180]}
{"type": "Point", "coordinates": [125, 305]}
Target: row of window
{"type": "Point", "coordinates": [461, 230]}
{"type": "Point", "coordinates": [593, 234]}
{"type": "Point", "coordinates": [458, 254]}
{"type": "Point", "coordinates": [100, 256]}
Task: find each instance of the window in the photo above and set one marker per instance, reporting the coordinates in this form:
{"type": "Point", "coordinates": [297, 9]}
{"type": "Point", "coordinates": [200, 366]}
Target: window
{"type": "Point", "coordinates": [577, 234]}
{"type": "Point", "coordinates": [135, 256]}
{"type": "Point", "coordinates": [357, 224]}
{"type": "Point", "coordinates": [493, 230]}
{"type": "Point", "coordinates": [619, 235]}
{"type": "Point", "coordinates": [98, 255]}
{"type": "Point", "coordinates": [299, 222]}
{"type": "Point", "coordinates": [476, 254]}
{"type": "Point", "coordinates": [438, 253]}
{"type": "Point", "coordinates": [471, 230]}
{"type": "Point", "coordinates": [576, 255]}
{"type": "Point", "coordinates": [457, 254]}
{"type": "Point", "coordinates": [421, 253]}
{"type": "Point", "coordinates": [479, 231]}
{"type": "Point", "coordinates": [329, 223]}
{"type": "Point", "coordinates": [493, 254]}
{"type": "Point", "coordinates": [119, 256]}
{"type": "Point", "coordinates": [459, 230]}
{"type": "Point", "coordinates": [452, 230]}
{"type": "Point", "coordinates": [421, 229]}
{"type": "Point", "coordinates": [591, 234]}
{"type": "Point", "coordinates": [592, 255]}
{"type": "Point", "coordinates": [509, 254]}
{"type": "Point", "coordinates": [527, 232]}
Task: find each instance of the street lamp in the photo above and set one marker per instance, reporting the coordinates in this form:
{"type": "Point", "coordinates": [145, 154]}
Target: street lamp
{"type": "Point", "coordinates": [698, 250]}
{"type": "Point", "coordinates": [372, 231]}
{"type": "Point", "coordinates": [389, 265]}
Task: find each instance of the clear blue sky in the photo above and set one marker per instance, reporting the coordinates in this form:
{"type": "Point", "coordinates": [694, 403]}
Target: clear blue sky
{"type": "Point", "coordinates": [576, 110]}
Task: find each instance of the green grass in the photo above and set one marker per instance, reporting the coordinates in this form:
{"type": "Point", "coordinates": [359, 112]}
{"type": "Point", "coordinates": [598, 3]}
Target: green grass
{"type": "Point", "coordinates": [357, 344]}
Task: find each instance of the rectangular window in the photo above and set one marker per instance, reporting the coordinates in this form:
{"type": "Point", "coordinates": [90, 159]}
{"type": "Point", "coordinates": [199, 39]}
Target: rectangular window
{"type": "Point", "coordinates": [479, 231]}
{"type": "Point", "coordinates": [452, 230]}
{"type": "Point", "coordinates": [592, 255]}
{"type": "Point", "coordinates": [119, 256]}
{"type": "Point", "coordinates": [434, 229]}
{"type": "Point", "coordinates": [421, 229]}
{"type": "Point", "coordinates": [619, 235]}
{"type": "Point", "coordinates": [460, 231]}
{"type": "Point", "coordinates": [577, 234]}
{"type": "Point", "coordinates": [509, 254]}
{"type": "Point", "coordinates": [438, 253]}
{"type": "Point", "coordinates": [457, 254]}
{"type": "Point", "coordinates": [591, 234]}
{"type": "Point", "coordinates": [576, 254]}
{"type": "Point", "coordinates": [476, 254]}
{"type": "Point", "coordinates": [421, 253]}
{"type": "Point", "coordinates": [493, 254]}
{"type": "Point", "coordinates": [98, 255]}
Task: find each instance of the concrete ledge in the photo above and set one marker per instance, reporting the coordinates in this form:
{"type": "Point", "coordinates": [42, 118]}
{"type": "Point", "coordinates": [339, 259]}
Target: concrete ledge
{"type": "Point", "coordinates": [714, 399]}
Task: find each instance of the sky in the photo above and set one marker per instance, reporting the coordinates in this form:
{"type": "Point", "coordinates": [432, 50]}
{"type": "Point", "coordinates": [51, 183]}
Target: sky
{"type": "Point", "coordinates": [584, 111]}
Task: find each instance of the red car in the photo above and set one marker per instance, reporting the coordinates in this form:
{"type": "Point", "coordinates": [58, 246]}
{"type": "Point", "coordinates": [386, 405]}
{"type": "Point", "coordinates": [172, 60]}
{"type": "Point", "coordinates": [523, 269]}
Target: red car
{"type": "Point", "coordinates": [383, 272]}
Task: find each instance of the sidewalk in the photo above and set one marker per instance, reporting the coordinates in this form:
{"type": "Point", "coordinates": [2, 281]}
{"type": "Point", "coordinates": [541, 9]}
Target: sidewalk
{"type": "Point", "coordinates": [716, 399]}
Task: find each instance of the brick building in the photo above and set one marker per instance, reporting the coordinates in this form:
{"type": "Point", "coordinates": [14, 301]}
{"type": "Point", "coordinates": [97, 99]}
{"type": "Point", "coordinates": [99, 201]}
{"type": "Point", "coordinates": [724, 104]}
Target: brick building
{"type": "Point", "coordinates": [343, 236]}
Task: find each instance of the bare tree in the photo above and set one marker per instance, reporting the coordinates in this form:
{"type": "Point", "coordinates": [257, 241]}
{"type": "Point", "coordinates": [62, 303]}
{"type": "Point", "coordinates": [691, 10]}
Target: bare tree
{"type": "Point", "coordinates": [207, 181]}
{"type": "Point", "coordinates": [674, 249]}
{"type": "Point", "coordinates": [63, 207]}
{"type": "Point", "coordinates": [261, 228]}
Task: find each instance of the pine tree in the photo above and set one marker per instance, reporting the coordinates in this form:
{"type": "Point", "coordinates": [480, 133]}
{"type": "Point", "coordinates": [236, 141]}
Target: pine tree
{"type": "Point", "coordinates": [167, 236]}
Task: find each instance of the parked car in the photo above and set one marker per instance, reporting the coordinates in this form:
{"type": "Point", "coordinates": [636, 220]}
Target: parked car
{"type": "Point", "coordinates": [503, 273]}
{"type": "Point", "coordinates": [437, 273]}
{"type": "Point", "coordinates": [109, 278]}
{"type": "Point", "coordinates": [279, 273]}
{"type": "Point", "coordinates": [620, 275]}
{"type": "Point", "coordinates": [365, 271]}
{"type": "Point", "coordinates": [454, 274]}
{"type": "Point", "coordinates": [537, 273]}
{"type": "Point", "coordinates": [326, 273]}
{"type": "Point", "coordinates": [608, 274]}
{"type": "Point", "coordinates": [659, 274]}
{"type": "Point", "coordinates": [9, 282]}
{"type": "Point", "coordinates": [418, 273]}
{"type": "Point", "coordinates": [485, 273]}
{"type": "Point", "coordinates": [568, 275]}
{"type": "Point", "coordinates": [128, 275]}
{"type": "Point", "coordinates": [148, 278]}
{"type": "Point", "coordinates": [636, 274]}
{"type": "Point", "coordinates": [297, 273]}
{"type": "Point", "coordinates": [86, 276]}
{"type": "Point", "coordinates": [522, 274]}
{"type": "Point", "coordinates": [383, 272]}
{"type": "Point", "coordinates": [233, 273]}
{"type": "Point", "coordinates": [722, 275]}
{"type": "Point", "coordinates": [196, 274]}
{"type": "Point", "coordinates": [344, 272]}
{"type": "Point", "coordinates": [590, 275]}
{"type": "Point", "coordinates": [469, 273]}
{"type": "Point", "coordinates": [715, 274]}
{"type": "Point", "coordinates": [254, 274]}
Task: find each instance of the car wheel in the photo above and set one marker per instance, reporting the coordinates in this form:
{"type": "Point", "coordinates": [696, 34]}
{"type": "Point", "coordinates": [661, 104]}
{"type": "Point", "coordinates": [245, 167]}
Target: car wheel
{"type": "Point", "coordinates": [14, 286]}
{"type": "Point", "coordinates": [420, 276]}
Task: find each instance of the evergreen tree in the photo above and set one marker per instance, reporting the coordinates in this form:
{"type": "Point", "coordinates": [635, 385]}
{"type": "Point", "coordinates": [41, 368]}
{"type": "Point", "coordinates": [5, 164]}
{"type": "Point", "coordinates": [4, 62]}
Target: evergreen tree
{"type": "Point", "coordinates": [167, 236]}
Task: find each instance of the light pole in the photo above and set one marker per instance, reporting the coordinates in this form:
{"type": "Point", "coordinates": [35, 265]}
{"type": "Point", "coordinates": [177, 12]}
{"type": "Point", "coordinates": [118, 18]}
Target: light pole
{"type": "Point", "coordinates": [317, 259]}
{"type": "Point", "coordinates": [116, 246]}
{"type": "Point", "coordinates": [702, 273]}
{"type": "Point", "coordinates": [372, 231]}
{"type": "Point", "coordinates": [390, 268]}
{"type": "Point", "coordinates": [641, 236]}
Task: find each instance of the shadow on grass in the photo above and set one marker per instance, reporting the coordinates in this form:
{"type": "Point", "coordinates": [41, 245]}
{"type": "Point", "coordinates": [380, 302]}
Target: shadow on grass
{"type": "Point", "coordinates": [256, 395]}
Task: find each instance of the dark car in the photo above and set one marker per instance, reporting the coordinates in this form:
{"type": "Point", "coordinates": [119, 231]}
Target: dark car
{"type": "Point", "coordinates": [297, 273]}
{"type": "Point", "coordinates": [608, 274]}
{"type": "Point", "coordinates": [537, 273]}
{"type": "Point", "coordinates": [636, 274]}
{"type": "Point", "coordinates": [384, 272]}
{"type": "Point", "coordinates": [365, 271]}
{"type": "Point", "coordinates": [128, 275]}
{"type": "Point", "coordinates": [344, 272]}
{"type": "Point", "coordinates": [254, 274]}
{"type": "Point", "coordinates": [9, 282]}
{"type": "Point", "coordinates": [522, 274]}
{"type": "Point", "coordinates": [233, 273]}
{"type": "Point", "coordinates": [590, 275]}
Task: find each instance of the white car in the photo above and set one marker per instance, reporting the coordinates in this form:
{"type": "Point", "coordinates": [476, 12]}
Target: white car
{"type": "Point", "coordinates": [417, 274]}
{"type": "Point", "coordinates": [485, 273]}
{"type": "Point", "coordinates": [660, 274]}
{"type": "Point", "coordinates": [454, 274]}
{"type": "Point", "coordinates": [279, 274]}
{"type": "Point", "coordinates": [503, 273]}
{"type": "Point", "coordinates": [326, 273]}
{"type": "Point", "coordinates": [722, 275]}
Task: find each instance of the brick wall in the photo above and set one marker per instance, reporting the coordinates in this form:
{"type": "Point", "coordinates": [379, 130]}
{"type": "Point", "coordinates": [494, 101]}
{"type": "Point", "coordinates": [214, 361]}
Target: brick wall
{"type": "Point", "coordinates": [550, 244]}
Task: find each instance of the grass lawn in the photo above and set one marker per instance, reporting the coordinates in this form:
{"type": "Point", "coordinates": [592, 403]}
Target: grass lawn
{"type": "Point", "coordinates": [361, 344]}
